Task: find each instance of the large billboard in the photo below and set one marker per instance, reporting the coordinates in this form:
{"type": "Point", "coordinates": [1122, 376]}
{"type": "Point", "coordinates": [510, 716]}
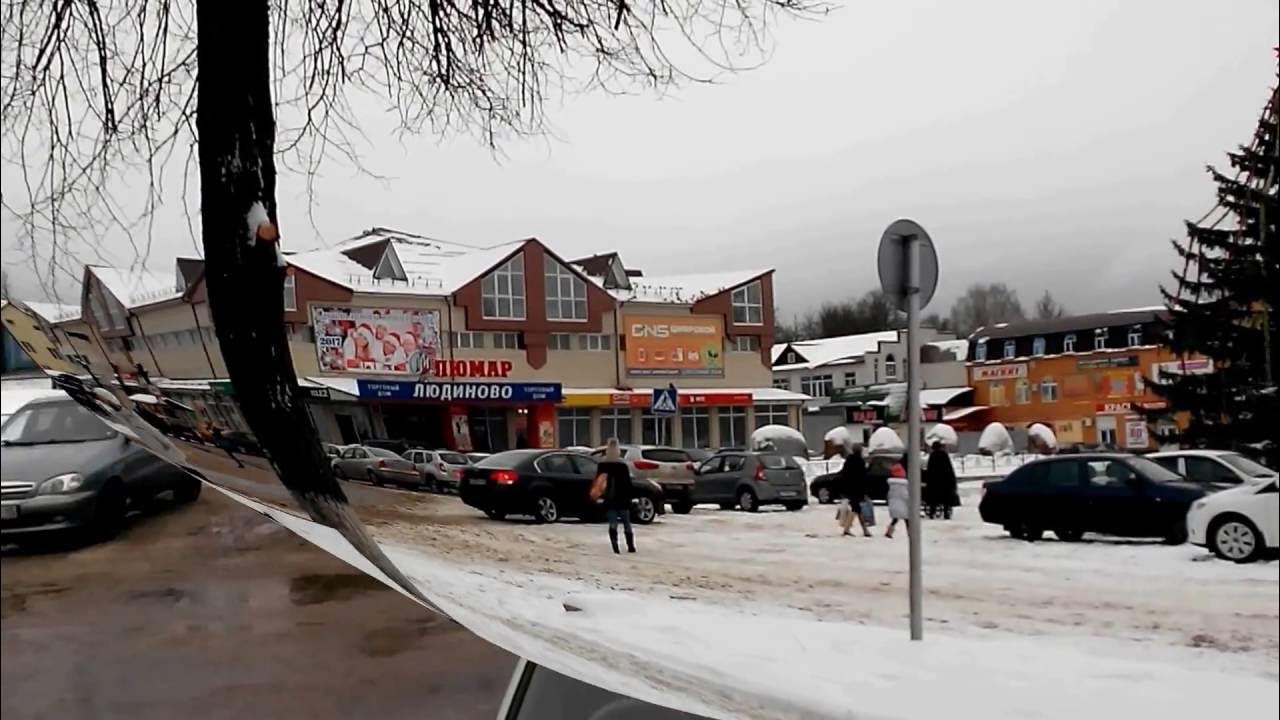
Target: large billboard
{"type": "Point", "coordinates": [377, 340]}
{"type": "Point", "coordinates": [666, 345]}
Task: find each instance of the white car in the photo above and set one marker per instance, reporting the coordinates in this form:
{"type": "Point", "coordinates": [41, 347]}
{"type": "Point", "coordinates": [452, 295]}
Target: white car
{"type": "Point", "coordinates": [440, 469]}
{"type": "Point", "coordinates": [1240, 524]}
{"type": "Point", "coordinates": [1217, 468]}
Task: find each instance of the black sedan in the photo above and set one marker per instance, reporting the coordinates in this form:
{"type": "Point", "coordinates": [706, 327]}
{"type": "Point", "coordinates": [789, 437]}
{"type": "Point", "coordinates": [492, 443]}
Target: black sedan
{"type": "Point", "coordinates": [547, 484]}
{"type": "Point", "coordinates": [1113, 494]}
{"type": "Point", "coordinates": [826, 488]}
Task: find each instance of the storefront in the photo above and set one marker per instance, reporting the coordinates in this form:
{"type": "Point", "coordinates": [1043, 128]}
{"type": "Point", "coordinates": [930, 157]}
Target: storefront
{"type": "Point", "coordinates": [705, 419]}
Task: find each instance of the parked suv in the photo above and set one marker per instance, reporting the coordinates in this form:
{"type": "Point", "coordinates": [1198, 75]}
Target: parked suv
{"type": "Point", "coordinates": [749, 480]}
{"type": "Point", "coordinates": [671, 468]}
{"type": "Point", "coordinates": [440, 469]}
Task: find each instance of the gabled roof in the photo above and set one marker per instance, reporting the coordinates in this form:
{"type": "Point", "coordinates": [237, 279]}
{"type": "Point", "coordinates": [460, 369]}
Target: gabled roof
{"type": "Point", "coordinates": [136, 287]}
{"type": "Point", "coordinates": [843, 348]}
{"type": "Point", "coordinates": [685, 289]}
{"type": "Point", "coordinates": [190, 270]}
{"type": "Point", "coordinates": [596, 265]}
{"type": "Point", "coordinates": [52, 312]}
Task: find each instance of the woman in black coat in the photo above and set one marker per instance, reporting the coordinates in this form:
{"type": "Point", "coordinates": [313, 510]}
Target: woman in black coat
{"type": "Point", "coordinates": [940, 493]}
{"type": "Point", "coordinates": [853, 488]}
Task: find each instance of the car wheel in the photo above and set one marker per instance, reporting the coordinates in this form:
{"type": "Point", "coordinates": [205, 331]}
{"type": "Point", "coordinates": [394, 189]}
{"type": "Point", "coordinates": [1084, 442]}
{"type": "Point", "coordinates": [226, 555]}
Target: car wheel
{"type": "Point", "coordinates": [644, 510]}
{"type": "Point", "coordinates": [824, 496]}
{"type": "Point", "coordinates": [495, 514]}
{"type": "Point", "coordinates": [747, 501]}
{"type": "Point", "coordinates": [337, 472]}
{"type": "Point", "coordinates": [683, 508]}
{"type": "Point", "coordinates": [1069, 534]}
{"type": "Point", "coordinates": [545, 509]}
{"type": "Point", "coordinates": [188, 490]}
{"type": "Point", "coordinates": [1236, 539]}
{"type": "Point", "coordinates": [373, 478]}
{"type": "Point", "coordinates": [794, 506]}
{"type": "Point", "coordinates": [1030, 534]}
{"type": "Point", "coordinates": [109, 512]}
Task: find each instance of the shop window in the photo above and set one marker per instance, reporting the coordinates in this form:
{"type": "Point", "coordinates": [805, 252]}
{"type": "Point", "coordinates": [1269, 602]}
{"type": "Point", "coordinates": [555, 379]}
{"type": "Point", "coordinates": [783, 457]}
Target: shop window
{"type": "Point", "coordinates": [595, 343]}
{"type": "Point", "coordinates": [1037, 347]}
{"type": "Point", "coordinates": [468, 340]}
{"type": "Point", "coordinates": [1010, 349]}
{"type": "Point", "coordinates": [890, 367]}
{"type": "Point", "coordinates": [559, 341]}
{"type": "Point", "coordinates": [1022, 392]}
{"type": "Point", "coordinates": [290, 293]}
{"type": "Point", "coordinates": [655, 430]}
{"type": "Point", "coordinates": [980, 351]}
{"type": "Point", "coordinates": [575, 427]}
{"type": "Point", "coordinates": [1135, 336]}
{"type": "Point", "coordinates": [507, 341]}
{"type": "Point", "coordinates": [746, 343]}
{"type": "Point", "coordinates": [1100, 339]}
{"type": "Point", "coordinates": [771, 415]}
{"type": "Point", "coordinates": [502, 291]}
{"type": "Point", "coordinates": [566, 293]}
{"type": "Point", "coordinates": [1048, 390]}
{"type": "Point", "coordinates": [616, 423]}
{"type": "Point", "coordinates": [488, 429]}
{"type": "Point", "coordinates": [748, 305]}
{"type": "Point", "coordinates": [733, 427]}
{"type": "Point", "coordinates": [695, 427]}
{"type": "Point", "coordinates": [1069, 343]}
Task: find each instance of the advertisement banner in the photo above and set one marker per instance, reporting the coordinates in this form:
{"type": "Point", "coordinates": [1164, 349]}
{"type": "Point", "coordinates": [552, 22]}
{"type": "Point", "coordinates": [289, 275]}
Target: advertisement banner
{"type": "Point", "coordinates": [377, 340]}
{"type": "Point", "coordinates": [1135, 434]}
{"type": "Point", "coordinates": [666, 345]}
{"type": "Point", "coordinates": [458, 391]}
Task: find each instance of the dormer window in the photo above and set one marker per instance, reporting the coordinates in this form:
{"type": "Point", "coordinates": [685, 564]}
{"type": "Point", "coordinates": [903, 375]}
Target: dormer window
{"type": "Point", "coordinates": [1010, 349]}
{"type": "Point", "coordinates": [1037, 347]}
{"type": "Point", "coordinates": [1069, 343]}
{"type": "Point", "coordinates": [980, 351]}
{"type": "Point", "coordinates": [748, 305]}
{"type": "Point", "coordinates": [1135, 336]}
{"type": "Point", "coordinates": [389, 267]}
{"type": "Point", "coordinates": [502, 291]}
{"type": "Point", "coordinates": [1100, 339]}
{"type": "Point", "coordinates": [566, 293]}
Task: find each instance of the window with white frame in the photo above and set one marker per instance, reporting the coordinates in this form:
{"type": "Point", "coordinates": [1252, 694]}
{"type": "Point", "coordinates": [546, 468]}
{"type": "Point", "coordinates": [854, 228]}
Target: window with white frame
{"type": "Point", "coordinates": [566, 292]}
{"type": "Point", "coordinates": [695, 427]}
{"type": "Point", "coordinates": [1022, 392]}
{"type": "Point", "coordinates": [771, 415]}
{"type": "Point", "coordinates": [506, 341]}
{"type": "Point", "coordinates": [1048, 390]}
{"type": "Point", "coordinates": [1069, 343]}
{"type": "Point", "coordinates": [748, 305]}
{"type": "Point", "coordinates": [782, 383]}
{"type": "Point", "coordinates": [733, 427]}
{"type": "Point", "coordinates": [290, 293]}
{"type": "Point", "coordinates": [817, 385]}
{"type": "Point", "coordinates": [595, 343]}
{"type": "Point", "coordinates": [1010, 349]}
{"type": "Point", "coordinates": [468, 340]}
{"type": "Point", "coordinates": [980, 351]}
{"type": "Point", "coordinates": [890, 367]}
{"type": "Point", "coordinates": [746, 343]}
{"type": "Point", "coordinates": [1100, 339]}
{"type": "Point", "coordinates": [851, 379]}
{"type": "Point", "coordinates": [502, 291]}
{"type": "Point", "coordinates": [1135, 336]}
{"type": "Point", "coordinates": [575, 427]}
{"type": "Point", "coordinates": [1037, 346]}
{"type": "Point", "coordinates": [616, 423]}
{"type": "Point", "coordinates": [560, 341]}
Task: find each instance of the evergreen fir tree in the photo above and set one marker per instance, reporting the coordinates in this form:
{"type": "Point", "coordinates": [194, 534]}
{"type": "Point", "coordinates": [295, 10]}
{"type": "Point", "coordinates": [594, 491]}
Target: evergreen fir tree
{"type": "Point", "coordinates": [1224, 306]}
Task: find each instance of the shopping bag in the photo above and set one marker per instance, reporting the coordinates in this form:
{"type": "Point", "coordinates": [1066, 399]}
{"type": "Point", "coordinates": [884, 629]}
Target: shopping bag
{"type": "Point", "coordinates": [844, 515]}
{"type": "Point", "coordinates": [868, 513]}
{"type": "Point", "coordinates": [598, 486]}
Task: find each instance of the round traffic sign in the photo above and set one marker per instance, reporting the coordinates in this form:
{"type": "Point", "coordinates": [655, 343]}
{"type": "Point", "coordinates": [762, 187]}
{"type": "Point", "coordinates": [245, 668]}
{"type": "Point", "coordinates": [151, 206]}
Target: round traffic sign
{"type": "Point", "coordinates": [891, 261]}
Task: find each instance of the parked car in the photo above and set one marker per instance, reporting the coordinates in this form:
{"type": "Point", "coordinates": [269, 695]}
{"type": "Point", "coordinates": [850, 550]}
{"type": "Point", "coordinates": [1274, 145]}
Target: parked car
{"type": "Point", "coordinates": [476, 457]}
{"type": "Point", "coordinates": [539, 693]}
{"type": "Point", "coordinates": [1239, 524]}
{"type": "Point", "coordinates": [749, 480]}
{"type": "Point", "coordinates": [671, 468]}
{"type": "Point", "coordinates": [396, 446]}
{"type": "Point", "coordinates": [66, 470]}
{"type": "Point", "coordinates": [547, 484]}
{"type": "Point", "coordinates": [1109, 493]}
{"type": "Point", "coordinates": [332, 450]}
{"type": "Point", "coordinates": [826, 487]}
{"type": "Point", "coordinates": [376, 465]}
{"type": "Point", "coordinates": [1219, 469]}
{"type": "Point", "coordinates": [439, 469]}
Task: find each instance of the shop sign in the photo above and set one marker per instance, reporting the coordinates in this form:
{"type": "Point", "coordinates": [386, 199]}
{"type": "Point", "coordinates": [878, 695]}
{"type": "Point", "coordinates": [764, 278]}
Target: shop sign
{"type": "Point", "coordinates": [1193, 366]}
{"type": "Point", "coordinates": [470, 368]}
{"type": "Point", "coordinates": [380, 340]}
{"type": "Point", "coordinates": [318, 393]}
{"type": "Point", "coordinates": [862, 416]}
{"type": "Point", "coordinates": [998, 372]}
{"type": "Point", "coordinates": [674, 346]}
{"type": "Point", "coordinates": [1108, 362]}
{"type": "Point", "coordinates": [1135, 434]}
{"type": "Point", "coordinates": [1124, 408]}
{"type": "Point", "coordinates": [458, 391]}
{"type": "Point", "coordinates": [695, 398]}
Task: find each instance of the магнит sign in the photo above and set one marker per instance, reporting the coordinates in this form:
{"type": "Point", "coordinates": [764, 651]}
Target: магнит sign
{"type": "Point", "coordinates": [999, 372]}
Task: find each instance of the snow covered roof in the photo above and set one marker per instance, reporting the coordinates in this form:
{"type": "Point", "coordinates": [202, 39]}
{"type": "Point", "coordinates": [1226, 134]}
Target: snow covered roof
{"type": "Point", "coordinates": [1113, 318]}
{"type": "Point", "coordinates": [431, 267]}
{"type": "Point", "coordinates": [843, 348]}
{"type": "Point", "coordinates": [958, 348]}
{"type": "Point", "coordinates": [52, 312]}
{"type": "Point", "coordinates": [941, 396]}
{"type": "Point", "coordinates": [135, 287]}
{"type": "Point", "coordinates": [685, 289]}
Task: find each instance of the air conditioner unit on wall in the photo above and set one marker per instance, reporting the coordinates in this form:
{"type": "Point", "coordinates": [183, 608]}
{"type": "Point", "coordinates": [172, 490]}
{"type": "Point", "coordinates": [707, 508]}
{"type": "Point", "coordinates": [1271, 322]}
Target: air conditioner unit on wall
{"type": "Point", "coordinates": [1086, 422]}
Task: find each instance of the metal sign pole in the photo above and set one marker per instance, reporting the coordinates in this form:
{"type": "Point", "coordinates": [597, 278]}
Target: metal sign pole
{"type": "Point", "coordinates": [914, 524]}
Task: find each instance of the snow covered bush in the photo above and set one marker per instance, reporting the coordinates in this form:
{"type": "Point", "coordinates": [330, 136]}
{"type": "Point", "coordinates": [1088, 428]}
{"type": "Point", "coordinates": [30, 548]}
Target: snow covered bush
{"type": "Point", "coordinates": [1041, 440]}
{"type": "Point", "coordinates": [995, 440]}
{"type": "Point", "coordinates": [944, 434]}
{"type": "Point", "coordinates": [886, 443]}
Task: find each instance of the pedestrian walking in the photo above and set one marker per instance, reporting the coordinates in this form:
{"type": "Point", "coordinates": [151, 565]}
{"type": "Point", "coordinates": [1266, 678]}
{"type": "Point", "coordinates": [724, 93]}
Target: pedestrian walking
{"type": "Point", "coordinates": [854, 503]}
{"type": "Point", "coordinates": [940, 494]}
{"type": "Point", "coordinates": [222, 443]}
{"type": "Point", "coordinates": [617, 495]}
{"type": "Point", "coordinates": [899, 499]}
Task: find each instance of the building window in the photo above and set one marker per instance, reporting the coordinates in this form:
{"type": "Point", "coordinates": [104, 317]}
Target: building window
{"type": "Point", "coordinates": [502, 291]}
{"type": "Point", "coordinates": [559, 341]}
{"type": "Point", "coordinates": [1100, 339]}
{"type": "Point", "coordinates": [733, 427]}
{"type": "Point", "coordinates": [616, 423]}
{"type": "Point", "coordinates": [655, 429]}
{"type": "Point", "coordinates": [748, 305]}
{"type": "Point", "coordinates": [1048, 390]}
{"type": "Point", "coordinates": [1010, 349]}
{"type": "Point", "coordinates": [746, 343]}
{"type": "Point", "coordinates": [1069, 343]}
{"type": "Point", "coordinates": [996, 395]}
{"type": "Point", "coordinates": [1022, 392]}
{"type": "Point", "coordinates": [695, 427]}
{"type": "Point", "coordinates": [1135, 336]}
{"type": "Point", "coordinates": [890, 367]}
{"type": "Point", "coordinates": [771, 415]}
{"type": "Point", "coordinates": [575, 427]}
{"type": "Point", "coordinates": [506, 341]}
{"type": "Point", "coordinates": [566, 293]}
{"type": "Point", "coordinates": [1037, 347]}
{"type": "Point", "coordinates": [290, 293]}
{"type": "Point", "coordinates": [782, 383]}
{"type": "Point", "coordinates": [817, 385]}
{"type": "Point", "coordinates": [791, 358]}
{"type": "Point", "coordinates": [980, 351]}
{"type": "Point", "coordinates": [595, 343]}
{"type": "Point", "coordinates": [468, 340]}
{"type": "Point", "coordinates": [851, 379]}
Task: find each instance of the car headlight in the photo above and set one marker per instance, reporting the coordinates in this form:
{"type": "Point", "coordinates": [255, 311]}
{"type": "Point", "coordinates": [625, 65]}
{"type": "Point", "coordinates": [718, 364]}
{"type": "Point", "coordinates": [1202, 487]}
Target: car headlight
{"type": "Point", "coordinates": [65, 483]}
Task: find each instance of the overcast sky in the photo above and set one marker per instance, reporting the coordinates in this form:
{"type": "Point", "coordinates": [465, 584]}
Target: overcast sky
{"type": "Point", "coordinates": [1044, 144]}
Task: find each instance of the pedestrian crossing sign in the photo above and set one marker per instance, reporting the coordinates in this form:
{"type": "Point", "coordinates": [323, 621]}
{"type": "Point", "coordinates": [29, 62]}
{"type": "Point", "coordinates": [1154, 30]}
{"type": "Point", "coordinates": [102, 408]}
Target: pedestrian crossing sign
{"type": "Point", "coordinates": [664, 401]}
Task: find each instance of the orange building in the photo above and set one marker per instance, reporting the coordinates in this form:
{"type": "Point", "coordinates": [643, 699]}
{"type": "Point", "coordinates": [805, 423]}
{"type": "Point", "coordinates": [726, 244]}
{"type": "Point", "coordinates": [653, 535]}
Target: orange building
{"type": "Point", "coordinates": [1088, 377]}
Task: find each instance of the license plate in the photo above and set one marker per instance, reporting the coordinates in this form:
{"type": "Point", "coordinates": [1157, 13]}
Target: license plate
{"type": "Point", "coordinates": [477, 481]}
{"type": "Point", "coordinates": [9, 512]}
{"type": "Point", "coordinates": [786, 493]}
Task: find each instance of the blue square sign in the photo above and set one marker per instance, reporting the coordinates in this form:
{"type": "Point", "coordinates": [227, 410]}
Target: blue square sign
{"type": "Point", "coordinates": [665, 401]}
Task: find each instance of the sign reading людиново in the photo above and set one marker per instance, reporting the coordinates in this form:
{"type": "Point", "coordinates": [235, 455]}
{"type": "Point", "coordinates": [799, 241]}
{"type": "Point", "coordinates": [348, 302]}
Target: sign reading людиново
{"type": "Point", "coordinates": [667, 345]}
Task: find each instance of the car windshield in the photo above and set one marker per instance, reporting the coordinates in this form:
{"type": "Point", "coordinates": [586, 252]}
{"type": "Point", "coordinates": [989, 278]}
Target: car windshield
{"type": "Point", "coordinates": [454, 458]}
{"type": "Point", "coordinates": [1246, 466]}
{"type": "Point", "coordinates": [1153, 471]}
{"type": "Point", "coordinates": [64, 422]}
{"type": "Point", "coordinates": [379, 452]}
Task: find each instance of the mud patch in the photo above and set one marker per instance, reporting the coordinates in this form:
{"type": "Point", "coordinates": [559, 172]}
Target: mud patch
{"type": "Point", "coordinates": [393, 640]}
{"type": "Point", "coordinates": [330, 587]}
{"type": "Point", "coordinates": [167, 596]}
{"type": "Point", "coordinates": [15, 601]}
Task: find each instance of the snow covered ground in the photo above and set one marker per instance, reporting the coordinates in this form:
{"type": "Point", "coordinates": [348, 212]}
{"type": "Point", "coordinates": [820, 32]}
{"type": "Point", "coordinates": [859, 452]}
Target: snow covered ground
{"type": "Point", "coordinates": [775, 615]}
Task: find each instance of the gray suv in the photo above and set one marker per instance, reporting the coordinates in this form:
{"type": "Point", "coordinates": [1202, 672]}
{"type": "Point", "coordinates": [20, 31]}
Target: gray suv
{"type": "Point", "coordinates": [749, 480]}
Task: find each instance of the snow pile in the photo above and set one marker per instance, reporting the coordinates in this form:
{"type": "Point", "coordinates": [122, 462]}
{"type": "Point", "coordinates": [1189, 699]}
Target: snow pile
{"type": "Point", "coordinates": [944, 434]}
{"type": "Point", "coordinates": [1041, 439]}
{"type": "Point", "coordinates": [886, 443]}
{"type": "Point", "coordinates": [780, 439]}
{"type": "Point", "coordinates": [995, 440]}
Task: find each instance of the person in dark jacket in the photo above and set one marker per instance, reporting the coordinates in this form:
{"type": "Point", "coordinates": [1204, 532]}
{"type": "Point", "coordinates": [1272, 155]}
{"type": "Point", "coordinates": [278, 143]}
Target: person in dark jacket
{"type": "Point", "coordinates": [940, 483]}
{"type": "Point", "coordinates": [853, 488]}
{"type": "Point", "coordinates": [618, 493]}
